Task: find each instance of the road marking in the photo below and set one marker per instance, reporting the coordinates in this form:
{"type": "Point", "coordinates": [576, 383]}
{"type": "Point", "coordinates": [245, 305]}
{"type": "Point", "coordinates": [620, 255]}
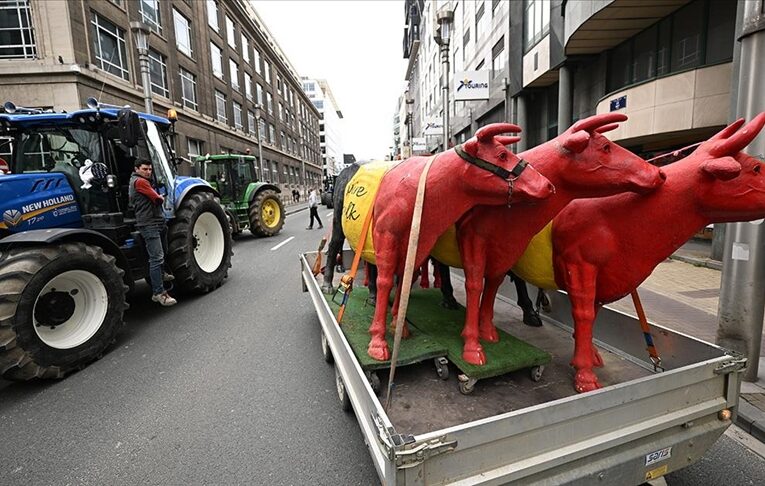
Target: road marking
{"type": "Point", "coordinates": [283, 243]}
{"type": "Point", "coordinates": [328, 215]}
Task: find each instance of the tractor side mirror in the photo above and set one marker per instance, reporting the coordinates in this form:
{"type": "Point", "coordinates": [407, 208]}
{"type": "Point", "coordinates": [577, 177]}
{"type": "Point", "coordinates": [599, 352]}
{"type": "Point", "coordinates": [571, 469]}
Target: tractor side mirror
{"type": "Point", "coordinates": [111, 181]}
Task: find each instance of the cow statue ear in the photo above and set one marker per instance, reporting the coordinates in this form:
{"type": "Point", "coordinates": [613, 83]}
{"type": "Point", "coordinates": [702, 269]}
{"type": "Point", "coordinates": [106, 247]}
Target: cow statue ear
{"type": "Point", "coordinates": [723, 168]}
{"type": "Point", "coordinates": [471, 146]}
{"type": "Point", "coordinates": [577, 141]}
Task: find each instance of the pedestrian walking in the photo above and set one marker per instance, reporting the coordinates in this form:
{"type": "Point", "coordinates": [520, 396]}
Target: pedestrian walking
{"type": "Point", "coordinates": [150, 221]}
{"type": "Point", "coordinates": [313, 207]}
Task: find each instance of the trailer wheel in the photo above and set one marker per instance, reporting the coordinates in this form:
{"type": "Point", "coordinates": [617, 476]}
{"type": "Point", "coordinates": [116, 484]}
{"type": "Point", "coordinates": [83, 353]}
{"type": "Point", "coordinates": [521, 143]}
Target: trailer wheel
{"type": "Point", "coordinates": [374, 380]}
{"type": "Point", "coordinates": [442, 367]}
{"type": "Point", "coordinates": [467, 385]}
{"type": "Point", "coordinates": [199, 241]}
{"type": "Point", "coordinates": [325, 349]}
{"type": "Point", "coordinates": [345, 400]}
{"type": "Point", "coordinates": [266, 214]}
{"type": "Point", "coordinates": [536, 372]}
{"type": "Point", "coordinates": [60, 308]}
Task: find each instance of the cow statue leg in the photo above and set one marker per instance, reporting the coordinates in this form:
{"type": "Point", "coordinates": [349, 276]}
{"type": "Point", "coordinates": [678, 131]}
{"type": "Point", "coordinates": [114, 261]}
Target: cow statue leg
{"type": "Point", "coordinates": [530, 315]}
{"type": "Point", "coordinates": [436, 274]}
{"type": "Point", "coordinates": [580, 285]}
{"type": "Point", "coordinates": [473, 254]}
{"type": "Point", "coordinates": [487, 330]}
{"type": "Point", "coordinates": [386, 261]}
{"type": "Point", "coordinates": [447, 291]}
{"type": "Point", "coordinates": [335, 246]}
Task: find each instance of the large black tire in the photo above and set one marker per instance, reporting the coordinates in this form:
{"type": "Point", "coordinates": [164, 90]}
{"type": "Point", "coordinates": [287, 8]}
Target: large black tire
{"type": "Point", "coordinates": [37, 339]}
{"type": "Point", "coordinates": [266, 214]}
{"type": "Point", "coordinates": [199, 241]}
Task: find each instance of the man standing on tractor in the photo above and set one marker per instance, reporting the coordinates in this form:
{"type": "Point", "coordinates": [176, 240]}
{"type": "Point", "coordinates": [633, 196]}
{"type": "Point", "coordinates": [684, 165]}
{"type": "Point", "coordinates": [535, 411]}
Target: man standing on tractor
{"type": "Point", "coordinates": [150, 221]}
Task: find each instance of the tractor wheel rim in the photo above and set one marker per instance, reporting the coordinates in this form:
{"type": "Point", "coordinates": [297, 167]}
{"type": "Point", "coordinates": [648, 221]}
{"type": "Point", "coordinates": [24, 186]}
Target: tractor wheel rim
{"type": "Point", "coordinates": [85, 302]}
{"type": "Point", "coordinates": [270, 213]}
{"type": "Point", "coordinates": [209, 242]}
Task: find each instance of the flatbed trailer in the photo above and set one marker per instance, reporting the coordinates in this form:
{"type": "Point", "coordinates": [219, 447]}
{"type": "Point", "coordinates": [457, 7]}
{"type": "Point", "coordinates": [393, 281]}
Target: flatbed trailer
{"type": "Point", "coordinates": [641, 425]}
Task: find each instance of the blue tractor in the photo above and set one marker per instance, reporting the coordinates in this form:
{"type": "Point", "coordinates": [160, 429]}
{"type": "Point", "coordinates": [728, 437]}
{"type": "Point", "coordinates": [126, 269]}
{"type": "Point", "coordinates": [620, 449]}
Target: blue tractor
{"type": "Point", "coordinates": [69, 249]}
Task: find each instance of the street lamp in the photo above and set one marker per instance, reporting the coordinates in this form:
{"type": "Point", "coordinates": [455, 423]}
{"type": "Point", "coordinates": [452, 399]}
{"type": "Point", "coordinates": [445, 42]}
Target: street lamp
{"type": "Point", "coordinates": [409, 115]}
{"type": "Point", "coordinates": [442, 35]}
{"type": "Point", "coordinates": [260, 144]}
{"type": "Point", "coordinates": [141, 33]}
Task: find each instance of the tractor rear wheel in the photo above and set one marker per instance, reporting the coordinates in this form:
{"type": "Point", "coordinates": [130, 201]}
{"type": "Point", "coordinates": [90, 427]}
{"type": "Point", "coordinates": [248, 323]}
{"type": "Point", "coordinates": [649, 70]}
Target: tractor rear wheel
{"type": "Point", "coordinates": [60, 308]}
{"type": "Point", "coordinates": [266, 214]}
{"type": "Point", "coordinates": [199, 242]}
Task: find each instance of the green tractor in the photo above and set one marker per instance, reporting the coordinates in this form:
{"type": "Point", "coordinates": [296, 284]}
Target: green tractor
{"type": "Point", "coordinates": [247, 203]}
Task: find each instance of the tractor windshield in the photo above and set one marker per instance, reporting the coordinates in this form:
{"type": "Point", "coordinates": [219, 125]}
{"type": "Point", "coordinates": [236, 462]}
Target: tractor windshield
{"type": "Point", "coordinates": [218, 175]}
{"type": "Point", "coordinates": [56, 149]}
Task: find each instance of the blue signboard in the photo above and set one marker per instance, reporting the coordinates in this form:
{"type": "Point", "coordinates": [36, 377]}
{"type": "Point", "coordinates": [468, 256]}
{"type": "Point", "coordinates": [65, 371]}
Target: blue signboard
{"type": "Point", "coordinates": [619, 103]}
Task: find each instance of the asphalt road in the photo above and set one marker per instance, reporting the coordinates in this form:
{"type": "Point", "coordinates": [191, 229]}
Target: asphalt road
{"type": "Point", "coordinates": [227, 388]}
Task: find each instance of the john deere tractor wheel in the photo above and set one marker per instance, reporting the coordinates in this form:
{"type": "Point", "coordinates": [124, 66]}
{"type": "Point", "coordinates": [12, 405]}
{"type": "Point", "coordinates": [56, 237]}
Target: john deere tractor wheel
{"type": "Point", "coordinates": [60, 307]}
{"type": "Point", "coordinates": [199, 241]}
{"type": "Point", "coordinates": [266, 214]}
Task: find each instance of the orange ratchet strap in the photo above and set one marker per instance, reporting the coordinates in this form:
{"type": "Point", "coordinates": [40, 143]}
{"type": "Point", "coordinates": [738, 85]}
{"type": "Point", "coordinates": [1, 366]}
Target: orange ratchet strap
{"type": "Point", "coordinates": [655, 359]}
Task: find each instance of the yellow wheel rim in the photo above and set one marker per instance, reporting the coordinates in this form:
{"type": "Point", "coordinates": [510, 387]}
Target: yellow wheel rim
{"type": "Point", "coordinates": [270, 213]}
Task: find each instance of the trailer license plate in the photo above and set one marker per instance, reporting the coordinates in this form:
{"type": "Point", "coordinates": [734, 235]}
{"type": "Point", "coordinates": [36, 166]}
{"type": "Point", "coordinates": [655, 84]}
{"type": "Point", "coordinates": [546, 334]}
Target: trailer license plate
{"type": "Point", "coordinates": [657, 456]}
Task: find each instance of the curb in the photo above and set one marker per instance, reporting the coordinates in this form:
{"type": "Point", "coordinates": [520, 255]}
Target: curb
{"type": "Point", "coordinates": [751, 419]}
{"type": "Point", "coordinates": [699, 262]}
{"type": "Point", "coordinates": [293, 210]}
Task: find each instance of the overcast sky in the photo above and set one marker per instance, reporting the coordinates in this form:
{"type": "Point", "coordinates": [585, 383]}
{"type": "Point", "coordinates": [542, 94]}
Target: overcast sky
{"type": "Point", "coordinates": [357, 46]}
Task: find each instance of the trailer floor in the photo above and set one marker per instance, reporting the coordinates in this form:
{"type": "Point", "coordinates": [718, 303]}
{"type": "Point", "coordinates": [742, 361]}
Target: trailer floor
{"type": "Point", "coordinates": [422, 402]}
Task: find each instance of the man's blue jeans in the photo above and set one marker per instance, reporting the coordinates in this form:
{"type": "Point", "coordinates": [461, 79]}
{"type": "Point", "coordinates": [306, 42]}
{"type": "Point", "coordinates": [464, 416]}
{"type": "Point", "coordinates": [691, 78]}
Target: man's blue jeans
{"type": "Point", "coordinates": [155, 239]}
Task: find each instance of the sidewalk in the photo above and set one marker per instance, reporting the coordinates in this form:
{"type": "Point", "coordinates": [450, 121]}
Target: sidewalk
{"type": "Point", "coordinates": [682, 293]}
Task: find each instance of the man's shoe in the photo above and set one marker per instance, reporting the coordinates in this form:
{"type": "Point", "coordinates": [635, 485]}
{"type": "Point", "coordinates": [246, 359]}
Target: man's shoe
{"type": "Point", "coordinates": [310, 227]}
{"type": "Point", "coordinates": [321, 226]}
{"type": "Point", "coordinates": [168, 277]}
{"type": "Point", "coordinates": [164, 299]}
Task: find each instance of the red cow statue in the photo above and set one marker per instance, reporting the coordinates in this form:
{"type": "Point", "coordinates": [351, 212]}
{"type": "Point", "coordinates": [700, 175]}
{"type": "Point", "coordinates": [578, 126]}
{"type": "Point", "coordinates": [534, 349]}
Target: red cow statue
{"type": "Point", "coordinates": [485, 174]}
{"type": "Point", "coordinates": [603, 249]}
{"type": "Point", "coordinates": [580, 163]}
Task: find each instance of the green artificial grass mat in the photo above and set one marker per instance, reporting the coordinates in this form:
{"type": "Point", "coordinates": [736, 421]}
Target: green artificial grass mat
{"type": "Point", "coordinates": [435, 332]}
{"type": "Point", "coordinates": [356, 320]}
{"type": "Point", "coordinates": [445, 325]}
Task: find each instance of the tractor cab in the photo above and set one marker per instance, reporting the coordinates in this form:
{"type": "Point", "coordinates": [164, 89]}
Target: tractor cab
{"type": "Point", "coordinates": [230, 174]}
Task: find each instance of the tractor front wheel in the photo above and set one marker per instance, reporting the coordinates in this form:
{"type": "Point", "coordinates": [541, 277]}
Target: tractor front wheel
{"type": "Point", "coordinates": [199, 242]}
{"type": "Point", "coordinates": [60, 307]}
{"type": "Point", "coordinates": [266, 214]}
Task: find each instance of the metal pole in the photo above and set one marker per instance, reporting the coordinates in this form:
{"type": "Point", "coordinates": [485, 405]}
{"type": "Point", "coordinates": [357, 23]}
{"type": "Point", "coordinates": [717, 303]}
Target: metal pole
{"type": "Point", "coordinates": [143, 62]}
{"type": "Point", "coordinates": [743, 275]}
{"type": "Point", "coordinates": [445, 65]}
{"type": "Point", "coordinates": [260, 151]}
{"type": "Point", "coordinates": [564, 98]}
{"type": "Point", "coordinates": [521, 100]}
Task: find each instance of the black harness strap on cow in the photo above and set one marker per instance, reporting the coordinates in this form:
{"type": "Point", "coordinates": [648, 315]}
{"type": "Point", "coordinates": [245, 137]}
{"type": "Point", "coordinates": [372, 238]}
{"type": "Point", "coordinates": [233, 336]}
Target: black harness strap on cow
{"type": "Point", "coordinates": [494, 169]}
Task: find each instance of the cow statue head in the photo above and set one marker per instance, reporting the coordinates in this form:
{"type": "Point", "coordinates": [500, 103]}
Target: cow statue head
{"type": "Point", "coordinates": [493, 169]}
{"type": "Point", "coordinates": [729, 184]}
{"type": "Point", "coordinates": [594, 165]}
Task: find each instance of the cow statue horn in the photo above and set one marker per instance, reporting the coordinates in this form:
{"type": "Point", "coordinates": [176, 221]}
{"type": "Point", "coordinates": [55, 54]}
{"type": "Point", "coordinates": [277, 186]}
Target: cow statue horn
{"type": "Point", "coordinates": [741, 138]}
{"type": "Point", "coordinates": [592, 123]}
{"type": "Point", "coordinates": [487, 133]}
{"type": "Point", "coordinates": [507, 140]}
{"type": "Point", "coordinates": [728, 131]}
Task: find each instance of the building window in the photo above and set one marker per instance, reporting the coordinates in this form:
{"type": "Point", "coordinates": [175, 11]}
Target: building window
{"type": "Point", "coordinates": [220, 107]}
{"type": "Point", "coordinates": [150, 14]}
{"type": "Point", "coordinates": [687, 26]}
{"type": "Point", "coordinates": [212, 15]}
{"type": "Point", "coordinates": [233, 71]}
{"type": "Point", "coordinates": [256, 59]}
{"type": "Point", "coordinates": [17, 40]}
{"type": "Point", "coordinates": [275, 172]}
{"type": "Point", "coordinates": [262, 129]}
{"type": "Point", "coordinates": [269, 103]}
{"type": "Point", "coordinates": [109, 47]}
{"type": "Point", "coordinates": [248, 85]}
{"type": "Point", "coordinates": [267, 69]}
{"type": "Point", "coordinates": [217, 60]}
{"type": "Point", "coordinates": [279, 84]}
{"type": "Point", "coordinates": [182, 33]}
{"type": "Point", "coordinates": [481, 21]}
{"type": "Point", "coordinates": [251, 122]}
{"type": "Point", "coordinates": [188, 89]}
{"type": "Point", "coordinates": [245, 49]}
{"type": "Point", "coordinates": [230, 34]}
{"type": "Point", "coordinates": [271, 133]}
{"type": "Point", "coordinates": [158, 73]}
{"type": "Point", "coordinates": [237, 115]}
{"type": "Point", "coordinates": [259, 93]}
{"type": "Point", "coordinates": [536, 22]}
{"type": "Point", "coordinates": [281, 111]}
{"type": "Point", "coordinates": [195, 148]}
{"type": "Point", "coordinates": [498, 58]}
